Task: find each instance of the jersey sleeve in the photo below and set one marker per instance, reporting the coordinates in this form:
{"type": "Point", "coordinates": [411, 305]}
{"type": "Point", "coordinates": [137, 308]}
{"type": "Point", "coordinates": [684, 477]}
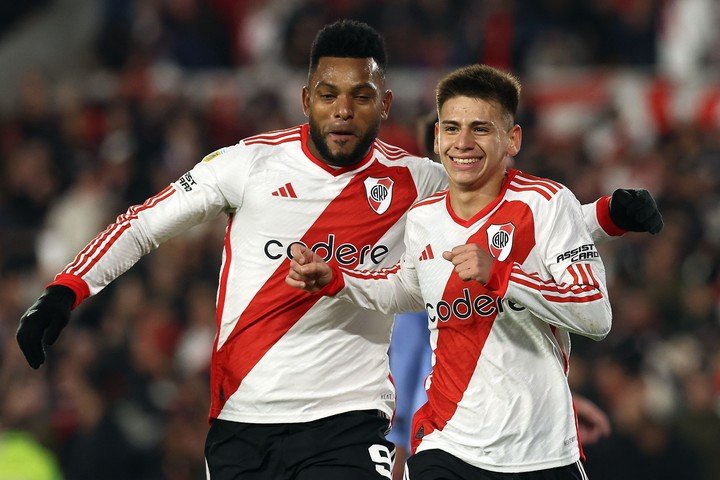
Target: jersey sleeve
{"type": "Point", "coordinates": [193, 199]}
{"type": "Point", "coordinates": [598, 221]}
{"type": "Point", "coordinates": [430, 177]}
{"type": "Point", "coordinates": [387, 290]}
{"type": "Point", "coordinates": [575, 296]}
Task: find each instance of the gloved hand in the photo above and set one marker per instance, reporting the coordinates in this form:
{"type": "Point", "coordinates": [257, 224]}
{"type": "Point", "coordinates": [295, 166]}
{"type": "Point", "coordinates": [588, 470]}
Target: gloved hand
{"type": "Point", "coordinates": [42, 323]}
{"type": "Point", "coordinates": [635, 211]}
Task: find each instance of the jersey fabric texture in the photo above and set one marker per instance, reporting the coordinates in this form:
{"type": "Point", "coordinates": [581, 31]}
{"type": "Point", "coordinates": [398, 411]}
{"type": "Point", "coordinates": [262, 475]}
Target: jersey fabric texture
{"type": "Point", "coordinates": [498, 396]}
{"type": "Point", "coordinates": [281, 355]}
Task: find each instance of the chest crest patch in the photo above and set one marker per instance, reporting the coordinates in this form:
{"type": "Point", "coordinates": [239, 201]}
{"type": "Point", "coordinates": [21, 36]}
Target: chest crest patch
{"type": "Point", "coordinates": [379, 193]}
{"type": "Point", "coordinates": [500, 240]}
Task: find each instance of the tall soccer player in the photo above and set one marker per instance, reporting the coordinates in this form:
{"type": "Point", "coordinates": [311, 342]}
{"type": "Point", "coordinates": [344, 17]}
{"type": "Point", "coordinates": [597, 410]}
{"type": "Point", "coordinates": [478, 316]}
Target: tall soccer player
{"type": "Point", "coordinates": [300, 384]}
{"type": "Point", "coordinates": [506, 269]}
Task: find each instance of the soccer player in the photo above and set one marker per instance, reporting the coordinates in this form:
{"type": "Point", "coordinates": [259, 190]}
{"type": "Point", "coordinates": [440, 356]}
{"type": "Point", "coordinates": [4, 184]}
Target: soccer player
{"type": "Point", "coordinates": [410, 353]}
{"type": "Point", "coordinates": [300, 384]}
{"type": "Point", "coordinates": [506, 269]}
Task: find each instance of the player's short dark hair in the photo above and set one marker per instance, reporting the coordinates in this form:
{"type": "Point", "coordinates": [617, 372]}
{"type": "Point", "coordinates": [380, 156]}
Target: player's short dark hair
{"type": "Point", "coordinates": [348, 39]}
{"type": "Point", "coordinates": [482, 82]}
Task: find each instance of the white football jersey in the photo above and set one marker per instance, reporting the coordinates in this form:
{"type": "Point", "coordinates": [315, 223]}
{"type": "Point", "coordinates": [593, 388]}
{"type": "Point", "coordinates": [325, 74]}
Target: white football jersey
{"type": "Point", "coordinates": [282, 355]}
{"type": "Point", "coordinates": [498, 396]}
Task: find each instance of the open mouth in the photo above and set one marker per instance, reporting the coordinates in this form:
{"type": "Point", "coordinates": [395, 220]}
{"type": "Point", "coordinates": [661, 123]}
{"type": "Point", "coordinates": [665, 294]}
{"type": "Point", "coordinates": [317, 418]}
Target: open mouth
{"type": "Point", "coordinates": [465, 161]}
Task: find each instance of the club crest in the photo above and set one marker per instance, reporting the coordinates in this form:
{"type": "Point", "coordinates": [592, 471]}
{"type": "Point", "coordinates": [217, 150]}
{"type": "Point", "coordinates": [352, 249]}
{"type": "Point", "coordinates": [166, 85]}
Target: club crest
{"type": "Point", "coordinates": [500, 240]}
{"type": "Point", "coordinates": [379, 193]}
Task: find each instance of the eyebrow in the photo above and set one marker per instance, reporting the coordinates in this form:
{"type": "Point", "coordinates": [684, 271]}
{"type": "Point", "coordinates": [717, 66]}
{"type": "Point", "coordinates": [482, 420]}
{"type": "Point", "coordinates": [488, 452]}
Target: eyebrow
{"type": "Point", "coordinates": [474, 123]}
{"type": "Point", "coordinates": [355, 88]}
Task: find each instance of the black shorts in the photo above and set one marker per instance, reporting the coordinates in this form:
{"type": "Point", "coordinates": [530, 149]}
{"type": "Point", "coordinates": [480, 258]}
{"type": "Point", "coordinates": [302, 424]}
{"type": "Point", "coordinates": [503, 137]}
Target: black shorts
{"type": "Point", "coordinates": [440, 465]}
{"type": "Point", "coordinates": [349, 446]}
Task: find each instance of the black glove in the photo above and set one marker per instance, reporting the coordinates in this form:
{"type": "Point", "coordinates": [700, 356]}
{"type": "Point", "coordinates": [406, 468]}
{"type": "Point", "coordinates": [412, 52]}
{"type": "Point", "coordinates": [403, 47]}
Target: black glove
{"type": "Point", "coordinates": [635, 211]}
{"type": "Point", "coordinates": [42, 323]}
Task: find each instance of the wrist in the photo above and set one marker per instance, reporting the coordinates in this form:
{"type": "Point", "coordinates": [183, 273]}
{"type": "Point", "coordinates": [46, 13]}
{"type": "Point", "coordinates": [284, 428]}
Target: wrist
{"type": "Point", "coordinates": [60, 295]}
{"type": "Point", "coordinates": [76, 284]}
{"type": "Point", "coordinates": [499, 277]}
{"type": "Point", "coordinates": [335, 285]}
{"type": "Point", "coordinates": [606, 219]}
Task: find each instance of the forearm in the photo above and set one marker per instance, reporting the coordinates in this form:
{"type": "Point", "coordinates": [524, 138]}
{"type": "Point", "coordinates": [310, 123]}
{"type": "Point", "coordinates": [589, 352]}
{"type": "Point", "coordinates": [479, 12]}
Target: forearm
{"type": "Point", "coordinates": [135, 233]}
{"type": "Point", "coordinates": [579, 305]}
{"type": "Point", "coordinates": [387, 290]}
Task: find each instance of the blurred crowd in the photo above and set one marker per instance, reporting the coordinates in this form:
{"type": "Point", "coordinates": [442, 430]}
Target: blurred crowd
{"type": "Point", "coordinates": [424, 33]}
{"type": "Point", "coordinates": [124, 393]}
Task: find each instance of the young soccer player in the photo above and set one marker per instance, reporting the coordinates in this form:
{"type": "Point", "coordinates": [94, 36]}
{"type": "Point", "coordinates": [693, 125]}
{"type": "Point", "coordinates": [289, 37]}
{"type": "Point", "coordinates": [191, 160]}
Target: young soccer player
{"type": "Point", "coordinates": [506, 269]}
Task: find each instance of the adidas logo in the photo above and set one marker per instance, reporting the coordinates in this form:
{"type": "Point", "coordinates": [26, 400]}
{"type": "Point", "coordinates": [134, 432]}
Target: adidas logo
{"type": "Point", "coordinates": [427, 253]}
{"type": "Point", "coordinates": [285, 191]}
{"type": "Point", "coordinates": [420, 433]}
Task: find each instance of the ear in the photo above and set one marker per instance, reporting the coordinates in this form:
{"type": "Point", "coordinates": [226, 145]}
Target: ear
{"type": "Point", "coordinates": [386, 102]}
{"type": "Point", "coordinates": [306, 101]}
{"type": "Point", "coordinates": [515, 142]}
{"type": "Point", "coordinates": [436, 145]}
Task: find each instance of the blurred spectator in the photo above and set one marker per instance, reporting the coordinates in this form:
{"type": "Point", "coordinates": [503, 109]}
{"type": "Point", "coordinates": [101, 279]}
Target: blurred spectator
{"type": "Point", "coordinates": [689, 38]}
{"type": "Point", "coordinates": [188, 33]}
{"type": "Point", "coordinates": [96, 446]}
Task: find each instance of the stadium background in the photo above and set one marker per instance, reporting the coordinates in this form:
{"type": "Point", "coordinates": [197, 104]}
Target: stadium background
{"type": "Point", "coordinates": [105, 102]}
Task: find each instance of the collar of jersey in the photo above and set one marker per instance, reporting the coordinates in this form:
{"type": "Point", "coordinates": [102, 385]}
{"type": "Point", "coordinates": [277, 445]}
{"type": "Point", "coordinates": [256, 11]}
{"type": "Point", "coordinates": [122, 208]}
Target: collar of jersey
{"type": "Point", "coordinates": [305, 133]}
{"type": "Point", "coordinates": [487, 209]}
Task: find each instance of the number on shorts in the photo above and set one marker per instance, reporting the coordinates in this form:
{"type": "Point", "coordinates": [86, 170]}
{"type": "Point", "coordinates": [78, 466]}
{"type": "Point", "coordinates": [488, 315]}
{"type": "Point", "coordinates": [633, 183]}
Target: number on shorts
{"type": "Point", "coordinates": [380, 455]}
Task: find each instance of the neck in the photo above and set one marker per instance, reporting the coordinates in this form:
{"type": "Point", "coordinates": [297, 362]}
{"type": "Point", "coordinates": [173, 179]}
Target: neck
{"type": "Point", "coordinates": [467, 202]}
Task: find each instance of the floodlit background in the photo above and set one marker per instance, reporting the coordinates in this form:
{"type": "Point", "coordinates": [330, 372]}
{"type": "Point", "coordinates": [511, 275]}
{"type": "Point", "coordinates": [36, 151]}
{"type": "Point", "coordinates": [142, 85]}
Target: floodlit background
{"type": "Point", "coordinates": [103, 103]}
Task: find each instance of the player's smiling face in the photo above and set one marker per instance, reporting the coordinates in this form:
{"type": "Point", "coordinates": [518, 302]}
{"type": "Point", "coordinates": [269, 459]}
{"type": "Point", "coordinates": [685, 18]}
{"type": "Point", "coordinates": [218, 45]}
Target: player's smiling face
{"type": "Point", "coordinates": [474, 138]}
{"type": "Point", "coordinates": [345, 102]}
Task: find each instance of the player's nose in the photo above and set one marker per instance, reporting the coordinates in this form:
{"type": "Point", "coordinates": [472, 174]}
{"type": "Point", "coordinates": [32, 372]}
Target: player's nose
{"type": "Point", "coordinates": [464, 140]}
{"type": "Point", "coordinates": [343, 107]}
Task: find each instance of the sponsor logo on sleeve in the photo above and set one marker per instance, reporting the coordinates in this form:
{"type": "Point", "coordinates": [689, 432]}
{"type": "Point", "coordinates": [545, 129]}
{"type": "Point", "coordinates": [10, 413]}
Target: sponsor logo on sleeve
{"type": "Point", "coordinates": [379, 193]}
{"type": "Point", "coordinates": [187, 182]}
{"type": "Point", "coordinates": [577, 254]}
{"type": "Point", "coordinates": [212, 155]}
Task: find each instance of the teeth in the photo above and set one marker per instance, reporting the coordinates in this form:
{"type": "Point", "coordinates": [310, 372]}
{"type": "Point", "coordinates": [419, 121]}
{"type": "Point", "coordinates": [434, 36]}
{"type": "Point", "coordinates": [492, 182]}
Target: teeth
{"type": "Point", "coordinates": [465, 161]}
